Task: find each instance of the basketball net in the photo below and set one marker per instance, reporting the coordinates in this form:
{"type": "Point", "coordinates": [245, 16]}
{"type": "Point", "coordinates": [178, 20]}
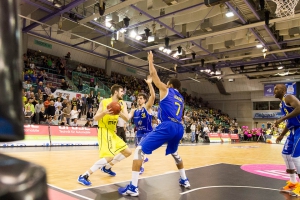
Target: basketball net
{"type": "Point", "coordinates": [285, 8]}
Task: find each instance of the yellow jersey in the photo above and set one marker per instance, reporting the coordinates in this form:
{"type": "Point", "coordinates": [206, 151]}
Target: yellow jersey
{"type": "Point", "coordinates": [109, 121]}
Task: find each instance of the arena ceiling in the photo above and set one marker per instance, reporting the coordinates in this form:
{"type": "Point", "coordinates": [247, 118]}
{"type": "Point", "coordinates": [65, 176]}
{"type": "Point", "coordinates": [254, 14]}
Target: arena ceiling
{"type": "Point", "coordinates": [210, 38]}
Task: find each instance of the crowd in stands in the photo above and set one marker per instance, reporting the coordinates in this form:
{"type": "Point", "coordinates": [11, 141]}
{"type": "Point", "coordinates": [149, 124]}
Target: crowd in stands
{"type": "Point", "coordinates": [40, 106]}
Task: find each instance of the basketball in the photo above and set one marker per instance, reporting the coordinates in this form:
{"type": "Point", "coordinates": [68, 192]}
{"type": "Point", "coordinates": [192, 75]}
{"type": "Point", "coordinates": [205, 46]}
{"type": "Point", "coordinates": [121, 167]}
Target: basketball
{"type": "Point", "coordinates": [115, 108]}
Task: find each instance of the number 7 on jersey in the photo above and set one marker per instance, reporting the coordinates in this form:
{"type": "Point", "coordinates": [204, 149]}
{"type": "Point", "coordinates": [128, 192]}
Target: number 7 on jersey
{"type": "Point", "coordinates": [178, 110]}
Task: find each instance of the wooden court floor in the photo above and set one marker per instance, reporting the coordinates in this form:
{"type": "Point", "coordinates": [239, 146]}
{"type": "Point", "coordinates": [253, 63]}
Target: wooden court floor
{"type": "Point", "coordinates": [65, 164]}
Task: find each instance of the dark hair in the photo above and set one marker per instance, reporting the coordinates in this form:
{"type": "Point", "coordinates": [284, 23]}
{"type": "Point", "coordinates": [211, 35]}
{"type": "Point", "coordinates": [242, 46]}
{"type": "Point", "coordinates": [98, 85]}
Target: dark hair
{"type": "Point", "coordinates": [176, 83]}
{"type": "Point", "coordinates": [143, 95]}
{"type": "Point", "coordinates": [114, 88]}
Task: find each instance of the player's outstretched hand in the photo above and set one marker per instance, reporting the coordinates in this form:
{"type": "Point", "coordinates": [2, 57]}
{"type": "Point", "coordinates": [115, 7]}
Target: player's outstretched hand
{"type": "Point", "coordinates": [148, 80]}
{"type": "Point", "coordinates": [150, 56]}
{"type": "Point", "coordinates": [279, 138]}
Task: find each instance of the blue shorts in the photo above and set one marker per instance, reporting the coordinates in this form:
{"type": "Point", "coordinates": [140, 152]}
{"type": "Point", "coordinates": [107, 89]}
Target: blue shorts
{"type": "Point", "coordinates": [292, 143]}
{"type": "Point", "coordinates": [140, 135]}
{"type": "Point", "coordinates": [167, 132]}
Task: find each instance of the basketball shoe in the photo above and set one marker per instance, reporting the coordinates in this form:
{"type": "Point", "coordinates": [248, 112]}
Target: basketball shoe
{"type": "Point", "coordinates": [142, 169]}
{"type": "Point", "coordinates": [108, 171]}
{"type": "Point", "coordinates": [130, 190]}
{"type": "Point", "coordinates": [84, 180]}
{"type": "Point", "coordinates": [288, 187]}
{"type": "Point", "coordinates": [296, 191]}
{"type": "Point", "coordinates": [184, 182]}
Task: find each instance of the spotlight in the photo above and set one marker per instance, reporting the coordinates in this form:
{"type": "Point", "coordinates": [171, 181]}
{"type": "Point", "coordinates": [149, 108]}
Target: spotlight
{"type": "Point", "coordinates": [133, 34]}
{"type": "Point", "coordinates": [167, 40]}
{"type": "Point", "coordinates": [242, 68]}
{"type": "Point", "coordinates": [212, 72]}
{"type": "Point", "coordinates": [267, 17]}
{"type": "Point", "coordinates": [151, 39]}
{"type": "Point", "coordinates": [57, 3]}
{"type": "Point", "coordinates": [179, 50]}
{"type": "Point", "coordinates": [218, 72]}
{"type": "Point", "coordinates": [126, 21]}
{"type": "Point", "coordinates": [165, 50]}
{"type": "Point", "coordinates": [123, 30]}
{"type": "Point", "coordinates": [169, 51]}
{"type": "Point", "coordinates": [262, 4]}
{"type": "Point", "coordinates": [201, 70]}
{"type": "Point", "coordinates": [95, 18]}
{"type": "Point", "coordinates": [280, 67]}
{"type": "Point", "coordinates": [259, 46]}
{"type": "Point", "coordinates": [101, 8]}
{"type": "Point", "coordinates": [138, 37]}
{"type": "Point", "coordinates": [161, 48]}
{"type": "Point", "coordinates": [266, 64]}
{"type": "Point", "coordinates": [194, 56]}
{"type": "Point", "coordinates": [202, 62]}
{"type": "Point", "coordinates": [147, 32]}
{"type": "Point", "coordinates": [229, 14]}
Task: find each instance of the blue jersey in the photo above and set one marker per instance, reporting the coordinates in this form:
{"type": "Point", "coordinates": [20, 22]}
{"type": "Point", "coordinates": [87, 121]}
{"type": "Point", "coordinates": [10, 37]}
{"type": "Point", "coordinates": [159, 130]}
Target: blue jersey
{"type": "Point", "coordinates": [142, 120]}
{"type": "Point", "coordinates": [171, 107]}
{"type": "Point", "coordinates": [286, 109]}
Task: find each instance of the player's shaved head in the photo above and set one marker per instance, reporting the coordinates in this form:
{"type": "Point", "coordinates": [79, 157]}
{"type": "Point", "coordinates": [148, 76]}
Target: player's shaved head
{"type": "Point", "coordinates": [281, 87]}
{"type": "Point", "coordinates": [279, 91]}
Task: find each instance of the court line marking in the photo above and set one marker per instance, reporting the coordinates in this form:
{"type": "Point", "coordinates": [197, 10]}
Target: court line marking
{"type": "Point", "coordinates": [170, 172]}
{"type": "Point", "coordinates": [230, 186]}
{"type": "Point", "coordinates": [67, 191]}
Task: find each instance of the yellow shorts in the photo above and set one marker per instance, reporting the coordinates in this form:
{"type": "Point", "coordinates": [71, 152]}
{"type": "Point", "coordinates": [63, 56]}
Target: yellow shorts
{"type": "Point", "coordinates": [110, 143]}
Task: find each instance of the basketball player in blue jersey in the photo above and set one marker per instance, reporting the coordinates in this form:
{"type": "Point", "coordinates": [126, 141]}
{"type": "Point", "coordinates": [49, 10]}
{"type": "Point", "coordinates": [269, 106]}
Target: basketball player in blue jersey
{"type": "Point", "coordinates": [290, 108]}
{"type": "Point", "coordinates": [170, 130]}
{"type": "Point", "coordinates": [142, 116]}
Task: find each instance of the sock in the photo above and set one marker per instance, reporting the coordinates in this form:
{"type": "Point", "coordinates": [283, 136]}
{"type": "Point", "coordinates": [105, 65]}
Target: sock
{"type": "Point", "coordinates": [86, 173]}
{"type": "Point", "coordinates": [115, 160]}
{"type": "Point", "coordinates": [100, 163]}
{"type": "Point", "coordinates": [182, 174]}
{"type": "Point", "coordinates": [289, 163]}
{"type": "Point", "coordinates": [293, 178]}
{"type": "Point", "coordinates": [135, 178]}
{"type": "Point", "coordinates": [297, 165]}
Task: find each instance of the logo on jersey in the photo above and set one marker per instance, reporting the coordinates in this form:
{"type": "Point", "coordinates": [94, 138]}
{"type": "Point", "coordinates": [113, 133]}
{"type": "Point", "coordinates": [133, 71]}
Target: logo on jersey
{"type": "Point", "coordinates": [112, 122]}
{"type": "Point", "coordinates": [143, 115]}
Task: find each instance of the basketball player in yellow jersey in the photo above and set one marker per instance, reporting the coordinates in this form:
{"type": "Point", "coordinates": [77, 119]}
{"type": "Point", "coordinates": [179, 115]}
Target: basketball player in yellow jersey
{"type": "Point", "coordinates": [111, 147]}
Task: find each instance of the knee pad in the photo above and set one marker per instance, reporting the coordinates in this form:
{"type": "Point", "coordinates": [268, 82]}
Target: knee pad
{"type": "Point", "coordinates": [138, 153]}
{"type": "Point", "coordinates": [176, 158]}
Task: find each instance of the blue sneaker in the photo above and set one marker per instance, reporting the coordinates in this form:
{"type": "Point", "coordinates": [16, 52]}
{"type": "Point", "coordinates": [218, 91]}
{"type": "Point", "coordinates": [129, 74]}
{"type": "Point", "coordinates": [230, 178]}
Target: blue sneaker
{"type": "Point", "coordinates": [129, 190]}
{"type": "Point", "coordinates": [184, 182]}
{"type": "Point", "coordinates": [84, 180]}
{"type": "Point", "coordinates": [142, 170]}
{"type": "Point", "coordinates": [108, 171]}
{"type": "Point", "coordinates": [146, 160]}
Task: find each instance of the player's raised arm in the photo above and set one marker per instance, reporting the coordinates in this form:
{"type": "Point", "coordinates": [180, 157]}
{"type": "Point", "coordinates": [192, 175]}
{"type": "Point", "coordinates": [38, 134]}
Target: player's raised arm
{"type": "Point", "coordinates": [101, 113]}
{"type": "Point", "coordinates": [151, 99]}
{"type": "Point", "coordinates": [124, 113]}
{"type": "Point", "coordinates": [153, 73]}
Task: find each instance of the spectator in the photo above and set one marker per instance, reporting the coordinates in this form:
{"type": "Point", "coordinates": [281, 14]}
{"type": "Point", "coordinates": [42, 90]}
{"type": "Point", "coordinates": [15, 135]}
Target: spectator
{"type": "Point", "coordinates": [89, 123]}
{"type": "Point", "coordinates": [74, 122]}
{"type": "Point", "coordinates": [57, 103]}
{"type": "Point", "coordinates": [28, 114]}
{"type": "Point", "coordinates": [51, 109]}
{"type": "Point", "coordinates": [90, 114]}
{"type": "Point", "coordinates": [52, 88]}
{"type": "Point", "coordinates": [55, 120]}
{"type": "Point", "coordinates": [42, 116]}
{"type": "Point", "coordinates": [38, 108]}
{"type": "Point", "coordinates": [64, 84]}
{"type": "Point", "coordinates": [59, 112]}
{"type": "Point", "coordinates": [74, 113]}
{"type": "Point", "coordinates": [64, 122]}
{"type": "Point", "coordinates": [84, 105]}
{"type": "Point", "coordinates": [67, 112]}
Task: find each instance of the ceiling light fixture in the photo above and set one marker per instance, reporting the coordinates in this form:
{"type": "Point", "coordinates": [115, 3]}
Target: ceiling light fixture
{"type": "Point", "coordinates": [161, 48]}
{"type": "Point", "coordinates": [147, 32]}
{"type": "Point", "coordinates": [259, 46]}
{"type": "Point", "coordinates": [167, 40]}
{"type": "Point", "coordinates": [133, 34]}
{"type": "Point", "coordinates": [169, 51]}
{"type": "Point", "coordinates": [179, 50]}
{"type": "Point", "coordinates": [194, 56]}
{"type": "Point", "coordinates": [229, 14]}
{"type": "Point", "coordinates": [280, 67]}
{"type": "Point", "coordinates": [138, 37]}
{"type": "Point", "coordinates": [151, 39]}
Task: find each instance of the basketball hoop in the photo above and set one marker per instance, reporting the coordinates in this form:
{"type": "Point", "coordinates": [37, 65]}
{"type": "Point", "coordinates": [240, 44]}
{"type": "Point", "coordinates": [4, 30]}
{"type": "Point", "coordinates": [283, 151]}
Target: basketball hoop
{"type": "Point", "coordinates": [285, 8]}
